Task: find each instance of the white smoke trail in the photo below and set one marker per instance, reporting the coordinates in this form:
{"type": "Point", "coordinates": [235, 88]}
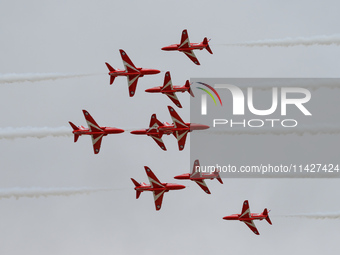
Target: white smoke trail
{"type": "Point", "coordinates": [335, 215]}
{"type": "Point", "coordinates": [299, 130]}
{"type": "Point", "coordinates": [289, 42]}
{"type": "Point", "coordinates": [46, 192]}
{"type": "Point", "coordinates": [38, 132]}
{"type": "Point", "coordinates": [32, 77]}
{"type": "Point", "coordinates": [129, 129]}
{"type": "Point", "coordinates": [42, 132]}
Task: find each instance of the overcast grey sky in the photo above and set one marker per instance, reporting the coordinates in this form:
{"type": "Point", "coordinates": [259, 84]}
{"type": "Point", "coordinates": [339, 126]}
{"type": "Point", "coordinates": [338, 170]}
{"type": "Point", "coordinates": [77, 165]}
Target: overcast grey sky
{"type": "Point", "coordinates": [79, 37]}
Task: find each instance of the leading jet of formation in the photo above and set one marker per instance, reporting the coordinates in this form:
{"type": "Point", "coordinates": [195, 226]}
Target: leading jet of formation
{"type": "Point", "coordinates": [158, 189]}
{"type": "Point", "coordinates": [248, 217]}
{"type": "Point", "coordinates": [95, 131]}
{"type": "Point", "coordinates": [198, 176]}
{"type": "Point", "coordinates": [131, 72]}
{"type": "Point", "coordinates": [179, 129]}
{"type": "Point", "coordinates": [170, 90]}
{"type": "Point", "coordinates": [187, 48]}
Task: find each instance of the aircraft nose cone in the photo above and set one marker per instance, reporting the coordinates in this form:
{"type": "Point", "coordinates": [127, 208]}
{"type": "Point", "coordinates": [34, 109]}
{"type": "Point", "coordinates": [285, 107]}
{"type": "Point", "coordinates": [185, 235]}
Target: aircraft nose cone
{"type": "Point", "coordinates": [175, 186]}
{"type": "Point", "coordinates": [230, 217]}
{"type": "Point", "coordinates": [194, 126]}
{"type": "Point", "coordinates": [182, 176]}
{"type": "Point", "coordinates": [118, 130]}
{"type": "Point", "coordinates": [181, 187]}
{"type": "Point", "coordinates": [138, 132]}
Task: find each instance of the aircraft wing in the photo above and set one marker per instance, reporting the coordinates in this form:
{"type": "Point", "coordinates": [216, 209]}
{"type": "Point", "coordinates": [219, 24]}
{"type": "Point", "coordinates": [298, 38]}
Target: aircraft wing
{"type": "Point", "coordinates": [159, 141]}
{"type": "Point", "coordinates": [174, 99]}
{"type": "Point", "coordinates": [154, 182]}
{"type": "Point", "coordinates": [168, 86]}
{"type": "Point", "coordinates": [252, 226]}
{"type": "Point", "coordinates": [192, 56]}
{"type": "Point", "coordinates": [203, 185]}
{"type": "Point", "coordinates": [181, 135]}
{"type": "Point", "coordinates": [132, 83]}
{"type": "Point", "coordinates": [154, 123]}
{"type": "Point", "coordinates": [92, 124]}
{"type": "Point", "coordinates": [96, 142]}
{"type": "Point", "coordinates": [158, 197]}
{"type": "Point", "coordinates": [194, 173]}
{"type": "Point", "coordinates": [178, 122]}
{"type": "Point", "coordinates": [185, 43]}
{"type": "Point", "coordinates": [181, 138]}
{"type": "Point", "coordinates": [129, 66]}
{"type": "Point", "coordinates": [197, 174]}
{"type": "Point", "coordinates": [245, 210]}
{"type": "Point", "coordinates": [153, 128]}
{"type": "Point", "coordinates": [167, 82]}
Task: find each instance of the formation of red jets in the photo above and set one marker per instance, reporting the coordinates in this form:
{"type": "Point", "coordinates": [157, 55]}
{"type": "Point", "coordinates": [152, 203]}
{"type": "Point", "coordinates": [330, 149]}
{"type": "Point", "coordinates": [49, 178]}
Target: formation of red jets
{"type": "Point", "coordinates": [157, 129]}
{"type": "Point", "coordinates": [179, 129]}
{"type": "Point", "coordinates": [170, 90]}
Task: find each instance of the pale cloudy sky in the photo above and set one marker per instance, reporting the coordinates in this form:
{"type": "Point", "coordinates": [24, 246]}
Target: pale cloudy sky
{"type": "Point", "coordinates": [78, 37]}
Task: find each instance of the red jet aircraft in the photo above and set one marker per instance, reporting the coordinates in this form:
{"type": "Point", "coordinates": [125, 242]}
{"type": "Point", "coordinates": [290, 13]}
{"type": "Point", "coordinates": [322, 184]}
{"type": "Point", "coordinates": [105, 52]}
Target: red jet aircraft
{"type": "Point", "coordinates": [187, 48]}
{"type": "Point", "coordinates": [131, 72]}
{"type": "Point", "coordinates": [95, 131]}
{"type": "Point", "coordinates": [155, 186]}
{"type": "Point", "coordinates": [199, 177]}
{"type": "Point", "coordinates": [170, 90]}
{"type": "Point", "coordinates": [248, 217]}
{"type": "Point", "coordinates": [179, 129]}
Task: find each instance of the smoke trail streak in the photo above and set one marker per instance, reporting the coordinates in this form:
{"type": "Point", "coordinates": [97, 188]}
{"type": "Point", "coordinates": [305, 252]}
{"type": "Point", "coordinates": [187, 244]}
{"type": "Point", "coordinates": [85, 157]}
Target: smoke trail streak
{"type": "Point", "coordinates": [289, 42]}
{"type": "Point", "coordinates": [46, 192]}
{"type": "Point", "coordinates": [42, 132]}
{"type": "Point", "coordinates": [129, 129]}
{"type": "Point", "coordinates": [32, 77]}
{"type": "Point", "coordinates": [38, 132]}
{"type": "Point", "coordinates": [299, 130]}
{"type": "Point", "coordinates": [335, 215]}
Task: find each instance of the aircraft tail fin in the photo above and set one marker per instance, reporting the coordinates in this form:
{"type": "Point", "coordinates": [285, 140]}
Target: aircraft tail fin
{"type": "Point", "coordinates": [135, 182]}
{"type": "Point", "coordinates": [187, 85]}
{"type": "Point", "coordinates": [137, 185]}
{"type": "Point", "coordinates": [265, 213]}
{"type": "Point", "coordinates": [73, 126]}
{"type": "Point", "coordinates": [138, 193]}
{"type": "Point", "coordinates": [111, 69]}
{"type": "Point", "coordinates": [76, 136]}
{"type": "Point", "coordinates": [112, 79]}
{"type": "Point", "coordinates": [206, 45]}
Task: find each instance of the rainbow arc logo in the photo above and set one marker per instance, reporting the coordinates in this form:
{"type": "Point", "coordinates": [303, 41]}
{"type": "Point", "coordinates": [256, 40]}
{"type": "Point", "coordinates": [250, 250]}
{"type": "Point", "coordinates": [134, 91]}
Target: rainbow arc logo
{"type": "Point", "coordinates": [209, 93]}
